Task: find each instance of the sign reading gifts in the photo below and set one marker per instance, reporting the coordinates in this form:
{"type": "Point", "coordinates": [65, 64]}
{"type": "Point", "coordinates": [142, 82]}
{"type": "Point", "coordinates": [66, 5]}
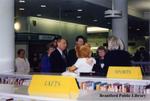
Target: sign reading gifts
{"type": "Point", "coordinates": [123, 72]}
{"type": "Point", "coordinates": [53, 86]}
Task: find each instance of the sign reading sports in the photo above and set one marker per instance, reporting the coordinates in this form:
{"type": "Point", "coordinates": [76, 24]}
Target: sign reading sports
{"type": "Point", "coordinates": [123, 72]}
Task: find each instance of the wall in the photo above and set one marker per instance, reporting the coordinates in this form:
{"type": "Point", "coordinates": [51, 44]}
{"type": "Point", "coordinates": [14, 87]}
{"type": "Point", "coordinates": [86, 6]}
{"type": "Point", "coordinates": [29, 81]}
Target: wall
{"type": "Point", "coordinates": [23, 22]}
{"type": "Point", "coordinates": [40, 25]}
{"type": "Point", "coordinates": [97, 40]}
{"type": "Point", "coordinates": [68, 30]}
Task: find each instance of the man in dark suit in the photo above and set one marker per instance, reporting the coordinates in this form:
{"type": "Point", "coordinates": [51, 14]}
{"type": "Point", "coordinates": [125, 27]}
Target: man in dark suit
{"type": "Point", "coordinates": [58, 58]}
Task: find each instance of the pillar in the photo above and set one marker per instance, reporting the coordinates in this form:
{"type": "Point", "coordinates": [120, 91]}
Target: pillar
{"type": "Point", "coordinates": [149, 40]}
{"type": "Point", "coordinates": [7, 41]}
{"type": "Point", "coordinates": [120, 25]}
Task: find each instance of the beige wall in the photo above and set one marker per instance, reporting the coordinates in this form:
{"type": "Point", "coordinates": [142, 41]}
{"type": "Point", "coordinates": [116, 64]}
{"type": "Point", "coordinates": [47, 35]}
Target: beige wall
{"type": "Point", "coordinates": [66, 29]}
{"type": "Point", "coordinates": [23, 22]}
{"type": "Point", "coordinates": [97, 40]}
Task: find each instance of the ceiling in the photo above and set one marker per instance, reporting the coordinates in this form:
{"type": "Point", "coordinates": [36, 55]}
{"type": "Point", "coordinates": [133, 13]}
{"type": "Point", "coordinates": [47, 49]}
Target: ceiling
{"type": "Point", "coordinates": [140, 5]}
{"type": "Point", "coordinates": [65, 10]}
{"type": "Point", "coordinates": [80, 11]}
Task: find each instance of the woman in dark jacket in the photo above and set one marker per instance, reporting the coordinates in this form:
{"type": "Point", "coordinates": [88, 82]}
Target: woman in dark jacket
{"type": "Point", "coordinates": [45, 64]}
{"type": "Point", "coordinates": [116, 55]}
{"type": "Point", "coordinates": [100, 68]}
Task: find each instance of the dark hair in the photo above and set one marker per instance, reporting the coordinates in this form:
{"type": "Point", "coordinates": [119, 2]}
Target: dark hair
{"type": "Point", "coordinates": [20, 50]}
{"type": "Point", "coordinates": [59, 39]}
{"type": "Point", "coordinates": [142, 48]}
{"type": "Point", "coordinates": [101, 48]}
{"type": "Point", "coordinates": [56, 38]}
{"type": "Point", "coordinates": [50, 45]}
{"type": "Point", "coordinates": [81, 37]}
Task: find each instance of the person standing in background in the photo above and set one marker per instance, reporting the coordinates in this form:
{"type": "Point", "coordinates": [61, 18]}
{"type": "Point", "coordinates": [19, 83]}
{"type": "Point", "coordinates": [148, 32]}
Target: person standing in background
{"type": "Point", "coordinates": [45, 64]}
{"type": "Point", "coordinates": [99, 67]}
{"type": "Point", "coordinates": [72, 57]}
{"type": "Point", "coordinates": [21, 63]}
{"type": "Point", "coordinates": [58, 58]}
{"type": "Point", "coordinates": [116, 55]}
{"type": "Point", "coordinates": [141, 55]}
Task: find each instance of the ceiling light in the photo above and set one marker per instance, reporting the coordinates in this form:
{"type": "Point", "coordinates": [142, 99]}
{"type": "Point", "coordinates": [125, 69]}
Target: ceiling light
{"type": "Point", "coordinates": [43, 6]}
{"type": "Point", "coordinates": [95, 20]}
{"type": "Point", "coordinates": [96, 29]}
{"type": "Point", "coordinates": [39, 14]}
{"type": "Point", "coordinates": [17, 26]}
{"type": "Point", "coordinates": [79, 10]}
{"type": "Point", "coordinates": [79, 17]}
{"type": "Point", "coordinates": [21, 1]}
{"type": "Point", "coordinates": [137, 29]}
{"type": "Point", "coordinates": [94, 48]}
{"type": "Point", "coordinates": [147, 37]}
{"type": "Point", "coordinates": [21, 9]}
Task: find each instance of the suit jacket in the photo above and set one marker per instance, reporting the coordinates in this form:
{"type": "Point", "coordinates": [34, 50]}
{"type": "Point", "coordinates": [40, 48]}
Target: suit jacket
{"type": "Point", "coordinates": [59, 64]}
{"type": "Point", "coordinates": [100, 71]}
{"type": "Point", "coordinates": [117, 58]}
{"type": "Point", "coordinates": [72, 58]}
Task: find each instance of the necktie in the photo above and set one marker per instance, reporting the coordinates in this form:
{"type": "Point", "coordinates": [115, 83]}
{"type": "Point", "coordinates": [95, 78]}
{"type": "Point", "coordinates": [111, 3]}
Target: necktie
{"type": "Point", "coordinates": [64, 58]}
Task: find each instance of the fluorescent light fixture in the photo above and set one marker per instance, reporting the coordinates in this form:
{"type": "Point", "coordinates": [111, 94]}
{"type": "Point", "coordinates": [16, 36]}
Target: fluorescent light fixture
{"type": "Point", "coordinates": [94, 48]}
{"type": "Point", "coordinates": [79, 10]}
{"type": "Point", "coordinates": [96, 29]}
{"type": "Point", "coordinates": [43, 6]}
{"type": "Point", "coordinates": [79, 17]}
{"type": "Point", "coordinates": [17, 26]}
{"type": "Point", "coordinates": [21, 9]}
{"type": "Point", "coordinates": [39, 14]}
{"type": "Point", "coordinates": [147, 37]}
{"type": "Point", "coordinates": [22, 1]}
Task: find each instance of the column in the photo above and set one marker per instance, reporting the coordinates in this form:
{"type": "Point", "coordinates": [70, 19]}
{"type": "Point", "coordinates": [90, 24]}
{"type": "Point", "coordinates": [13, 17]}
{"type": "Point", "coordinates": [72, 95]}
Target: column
{"type": "Point", "coordinates": [7, 39]}
{"type": "Point", "coordinates": [120, 25]}
{"type": "Point", "coordinates": [149, 39]}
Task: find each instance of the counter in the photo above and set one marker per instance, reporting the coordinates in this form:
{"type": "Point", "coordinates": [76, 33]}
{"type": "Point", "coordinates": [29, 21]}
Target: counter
{"type": "Point", "coordinates": [87, 89]}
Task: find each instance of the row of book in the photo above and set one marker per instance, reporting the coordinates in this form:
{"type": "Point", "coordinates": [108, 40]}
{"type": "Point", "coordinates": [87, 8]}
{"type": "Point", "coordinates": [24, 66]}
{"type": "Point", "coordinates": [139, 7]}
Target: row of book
{"type": "Point", "coordinates": [2, 98]}
{"type": "Point", "coordinates": [115, 87]}
{"type": "Point", "coordinates": [14, 81]}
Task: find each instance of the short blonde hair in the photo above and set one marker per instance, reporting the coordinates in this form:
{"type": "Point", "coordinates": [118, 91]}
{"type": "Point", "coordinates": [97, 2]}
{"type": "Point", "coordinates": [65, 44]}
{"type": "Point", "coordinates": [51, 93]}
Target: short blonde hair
{"type": "Point", "coordinates": [115, 43]}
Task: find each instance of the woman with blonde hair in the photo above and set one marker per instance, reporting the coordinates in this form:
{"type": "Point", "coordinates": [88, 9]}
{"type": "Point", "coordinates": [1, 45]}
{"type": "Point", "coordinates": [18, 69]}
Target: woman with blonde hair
{"type": "Point", "coordinates": [116, 55]}
{"type": "Point", "coordinates": [115, 43]}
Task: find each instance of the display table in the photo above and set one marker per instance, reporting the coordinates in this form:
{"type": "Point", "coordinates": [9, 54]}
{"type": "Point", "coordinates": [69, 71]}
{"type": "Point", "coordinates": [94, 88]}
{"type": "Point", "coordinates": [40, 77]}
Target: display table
{"type": "Point", "coordinates": [20, 93]}
{"type": "Point", "coordinates": [91, 88]}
